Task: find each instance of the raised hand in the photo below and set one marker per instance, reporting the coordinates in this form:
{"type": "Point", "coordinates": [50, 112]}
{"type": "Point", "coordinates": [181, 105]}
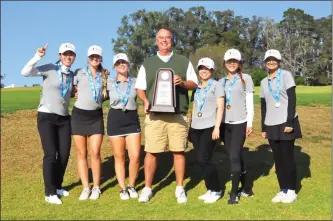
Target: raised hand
{"type": "Point", "coordinates": [41, 51]}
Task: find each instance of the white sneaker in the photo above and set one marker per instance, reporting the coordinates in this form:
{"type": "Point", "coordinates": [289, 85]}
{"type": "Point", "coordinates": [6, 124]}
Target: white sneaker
{"type": "Point", "coordinates": [62, 192]}
{"type": "Point", "coordinates": [181, 196]}
{"type": "Point", "coordinates": [213, 197]}
{"type": "Point", "coordinates": [204, 196]}
{"type": "Point", "coordinates": [95, 193]}
{"type": "Point", "coordinates": [145, 195]}
{"type": "Point", "coordinates": [278, 197]}
{"type": "Point", "coordinates": [85, 194]}
{"type": "Point", "coordinates": [54, 199]}
{"type": "Point", "coordinates": [289, 197]}
{"type": "Point", "coordinates": [124, 194]}
{"type": "Point", "coordinates": [132, 191]}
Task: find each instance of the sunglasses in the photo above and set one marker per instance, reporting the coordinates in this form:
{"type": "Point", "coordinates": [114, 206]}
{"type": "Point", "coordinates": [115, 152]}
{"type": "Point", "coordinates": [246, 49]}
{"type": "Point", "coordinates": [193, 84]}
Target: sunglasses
{"type": "Point", "coordinates": [119, 62]}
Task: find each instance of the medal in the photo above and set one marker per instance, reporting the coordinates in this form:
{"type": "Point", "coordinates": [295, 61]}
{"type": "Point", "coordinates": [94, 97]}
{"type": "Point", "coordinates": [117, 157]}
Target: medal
{"type": "Point", "coordinates": [277, 104]}
{"type": "Point", "coordinates": [97, 105]}
{"type": "Point", "coordinates": [201, 99]}
{"type": "Point", "coordinates": [124, 99]}
{"type": "Point", "coordinates": [231, 85]}
{"type": "Point", "coordinates": [63, 91]}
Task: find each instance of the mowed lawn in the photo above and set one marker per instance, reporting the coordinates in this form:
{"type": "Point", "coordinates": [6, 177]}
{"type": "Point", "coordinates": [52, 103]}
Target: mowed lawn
{"type": "Point", "coordinates": [22, 190]}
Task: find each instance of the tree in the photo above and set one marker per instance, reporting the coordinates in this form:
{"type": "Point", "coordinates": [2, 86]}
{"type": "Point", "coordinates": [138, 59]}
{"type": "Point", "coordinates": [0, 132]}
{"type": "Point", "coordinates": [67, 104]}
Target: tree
{"type": "Point", "coordinates": [2, 77]}
{"type": "Point", "coordinates": [216, 53]}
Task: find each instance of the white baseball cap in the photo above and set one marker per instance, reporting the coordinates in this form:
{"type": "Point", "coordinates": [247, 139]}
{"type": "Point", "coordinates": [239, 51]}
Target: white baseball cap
{"type": "Point", "coordinates": [120, 56]}
{"type": "Point", "coordinates": [95, 49]}
{"type": "Point", "coordinates": [232, 54]}
{"type": "Point", "coordinates": [66, 47]}
{"type": "Point", "coordinates": [273, 53]}
{"type": "Point", "coordinates": [207, 62]}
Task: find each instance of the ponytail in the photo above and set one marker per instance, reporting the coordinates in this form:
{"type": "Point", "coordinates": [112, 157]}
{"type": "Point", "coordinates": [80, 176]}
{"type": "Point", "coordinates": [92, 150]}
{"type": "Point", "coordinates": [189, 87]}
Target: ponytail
{"type": "Point", "coordinates": [104, 73]}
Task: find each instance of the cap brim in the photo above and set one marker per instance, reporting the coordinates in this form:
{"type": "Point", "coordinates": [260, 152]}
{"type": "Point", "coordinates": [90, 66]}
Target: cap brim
{"type": "Point", "coordinates": [66, 51]}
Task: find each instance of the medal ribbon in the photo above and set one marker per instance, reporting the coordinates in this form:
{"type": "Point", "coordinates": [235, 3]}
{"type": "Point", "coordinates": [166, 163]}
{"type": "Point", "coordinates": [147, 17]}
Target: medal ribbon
{"type": "Point", "coordinates": [125, 98]}
{"type": "Point", "coordinates": [200, 100]}
{"type": "Point", "coordinates": [277, 95]}
{"type": "Point", "coordinates": [94, 89]}
{"type": "Point", "coordinates": [228, 95]}
{"type": "Point", "coordinates": [63, 91]}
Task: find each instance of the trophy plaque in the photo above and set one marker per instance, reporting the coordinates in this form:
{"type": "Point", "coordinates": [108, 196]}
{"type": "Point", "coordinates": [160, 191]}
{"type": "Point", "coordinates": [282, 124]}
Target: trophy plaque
{"type": "Point", "coordinates": [164, 97]}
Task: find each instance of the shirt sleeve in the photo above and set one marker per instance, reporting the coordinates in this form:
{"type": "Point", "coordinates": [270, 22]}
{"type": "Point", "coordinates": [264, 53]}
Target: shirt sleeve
{"type": "Point", "coordinates": [249, 84]}
{"type": "Point", "coordinates": [76, 77]}
{"type": "Point", "coordinates": [249, 108]}
{"type": "Point", "coordinates": [262, 94]}
{"type": "Point", "coordinates": [29, 69]}
{"type": "Point", "coordinates": [263, 114]}
{"type": "Point", "coordinates": [141, 82]}
{"type": "Point", "coordinates": [220, 89]}
{"type": "Point", "coordinates": [288, 80]}
{"type": "Point", "coordinates": [191, 75]}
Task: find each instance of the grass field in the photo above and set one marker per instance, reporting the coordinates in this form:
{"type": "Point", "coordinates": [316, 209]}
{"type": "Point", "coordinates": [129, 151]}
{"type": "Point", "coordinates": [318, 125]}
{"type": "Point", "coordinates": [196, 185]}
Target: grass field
{"type": "Point", "coordinates": [13, 99]}
{"type": "Point", "coordinates": [22, 190]}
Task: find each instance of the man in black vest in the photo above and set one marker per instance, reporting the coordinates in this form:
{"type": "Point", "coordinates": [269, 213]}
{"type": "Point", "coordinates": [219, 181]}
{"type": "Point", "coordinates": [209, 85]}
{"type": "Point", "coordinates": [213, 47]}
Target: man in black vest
{"type": "Point", "coordinates": [167, 129]}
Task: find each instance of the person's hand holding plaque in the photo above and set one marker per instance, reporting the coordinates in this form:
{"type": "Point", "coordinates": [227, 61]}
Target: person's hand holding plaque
{"type": "Point", "coordinates": [178, 80]}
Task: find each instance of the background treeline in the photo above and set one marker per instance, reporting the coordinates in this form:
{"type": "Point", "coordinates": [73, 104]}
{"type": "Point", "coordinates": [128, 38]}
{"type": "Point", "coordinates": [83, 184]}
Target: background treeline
{"type": "Point", "coordinates": [304, 42]}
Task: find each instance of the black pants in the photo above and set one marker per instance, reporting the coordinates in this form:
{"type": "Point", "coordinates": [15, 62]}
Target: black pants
{"type": "Point", "coordinates": [233, 136]}
{"type": "Point", "coordinates": [285, 166]}
{"type": "Point", "coordinates": [55, 134]}
{"type": "Point", "coordinates": [204, 146]}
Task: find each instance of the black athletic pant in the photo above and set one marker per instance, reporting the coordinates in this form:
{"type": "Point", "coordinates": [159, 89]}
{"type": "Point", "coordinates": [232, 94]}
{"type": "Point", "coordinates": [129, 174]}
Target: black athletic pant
{"type": "Point", "coordinates": [285, 166]}
{"type": "Point", "coordinates": [233, 136]}
{"type": "Point", "coordinates": [204, 146]}
{"type": "Point", "coordinates": [55, 134]}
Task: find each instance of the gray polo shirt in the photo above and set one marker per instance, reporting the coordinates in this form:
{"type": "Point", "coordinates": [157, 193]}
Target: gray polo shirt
{"type": "Point", "coordinates": [51, 97]}
{"type": "Point", "coordinates": [115, 101]}
{"type": "Point", "coordinates": [85, 98]}
{"type": "Point", "coordinates": [237, 112]}
{"type": "Point", "coordinates": [209, 108]}
{"type": "Point", "coordinates": [274, 115]}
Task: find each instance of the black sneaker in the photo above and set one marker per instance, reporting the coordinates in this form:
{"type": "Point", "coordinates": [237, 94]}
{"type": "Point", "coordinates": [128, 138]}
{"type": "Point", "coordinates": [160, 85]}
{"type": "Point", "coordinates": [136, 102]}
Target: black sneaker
{"type": "Point", "coordinates": [233, 198]}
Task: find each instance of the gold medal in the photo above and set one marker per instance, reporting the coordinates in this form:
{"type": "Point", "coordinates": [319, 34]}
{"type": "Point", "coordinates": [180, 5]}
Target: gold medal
{"type": "Point", "coordinates": [199, 114]}
{"type": "Point", "coordinates": [228, 106]}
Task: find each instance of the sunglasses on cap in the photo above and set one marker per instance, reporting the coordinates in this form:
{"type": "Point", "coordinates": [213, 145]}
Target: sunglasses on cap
{"type": "Point", "coordinates": [119, 62]}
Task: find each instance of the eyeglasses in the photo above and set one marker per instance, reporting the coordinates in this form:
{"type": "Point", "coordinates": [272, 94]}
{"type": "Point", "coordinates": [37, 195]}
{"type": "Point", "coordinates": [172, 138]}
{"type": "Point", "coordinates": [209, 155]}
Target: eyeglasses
{"type": "Point", "coordinates": [119, 62]}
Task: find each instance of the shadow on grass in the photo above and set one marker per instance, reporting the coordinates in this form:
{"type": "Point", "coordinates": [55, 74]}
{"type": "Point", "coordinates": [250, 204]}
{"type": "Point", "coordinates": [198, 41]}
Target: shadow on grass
{"type": "Point", "coordinates": [257, 163]}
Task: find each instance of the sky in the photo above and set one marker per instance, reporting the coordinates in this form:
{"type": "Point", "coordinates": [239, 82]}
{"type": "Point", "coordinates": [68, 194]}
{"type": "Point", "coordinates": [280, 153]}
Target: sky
{"type": "Point", "coordinates": [25, 26]}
